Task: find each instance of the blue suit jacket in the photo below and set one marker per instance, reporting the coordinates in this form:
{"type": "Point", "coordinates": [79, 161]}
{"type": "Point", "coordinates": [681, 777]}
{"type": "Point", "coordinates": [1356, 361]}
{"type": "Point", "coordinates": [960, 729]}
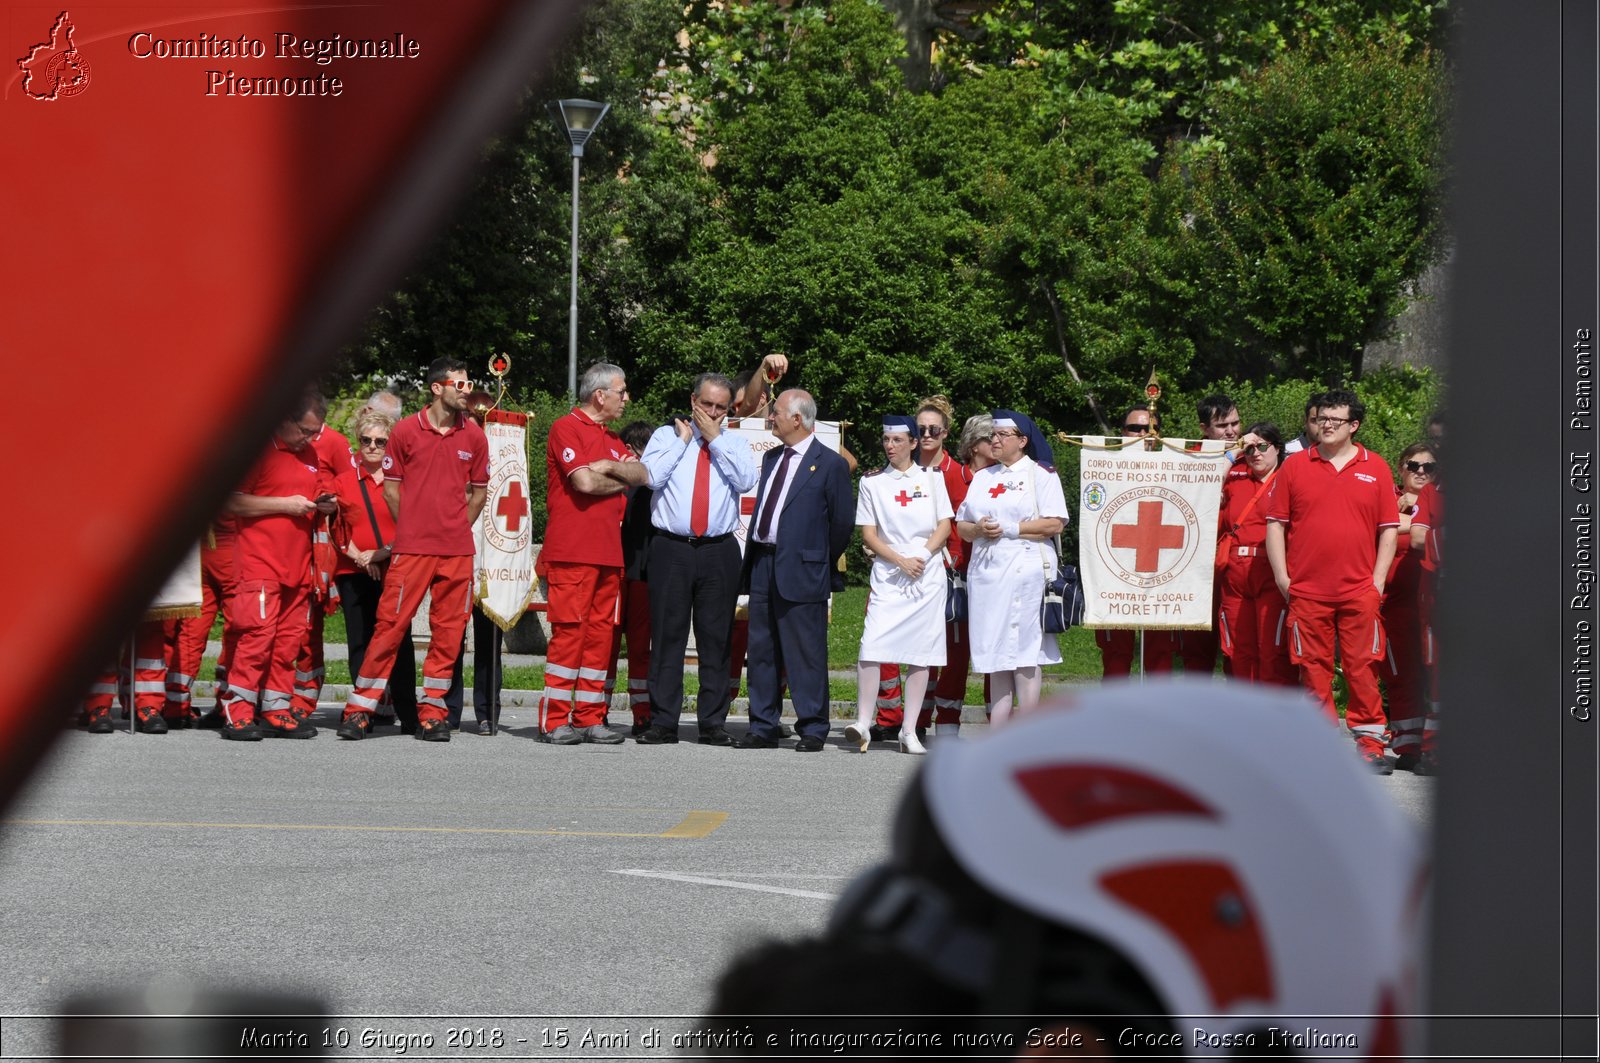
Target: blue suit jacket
{"type": "Point", "coordinates": [819, 513]}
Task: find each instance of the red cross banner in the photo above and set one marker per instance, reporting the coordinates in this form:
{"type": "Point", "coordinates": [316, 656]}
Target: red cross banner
{"type": "Point", "coordinates": [1147, 536]}
{"type": "Point", "coordinates": [503, 569]}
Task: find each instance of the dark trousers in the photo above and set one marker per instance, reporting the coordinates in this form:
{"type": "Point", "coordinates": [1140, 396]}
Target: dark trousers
{"type": "Point", "coordinates": [698, 581]}
{"type": "Point", "coordinates": [487, 641]}
{"type": "Point", "coordinates": [785, 637]}
{"type": "Point", "coordinates": [359, 595]}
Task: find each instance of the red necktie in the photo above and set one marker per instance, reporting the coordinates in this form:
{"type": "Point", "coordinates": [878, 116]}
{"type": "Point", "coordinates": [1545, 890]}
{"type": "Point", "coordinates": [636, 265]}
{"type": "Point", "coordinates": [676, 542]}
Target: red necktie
{"type": "Point", "coordinates": [700, 504]}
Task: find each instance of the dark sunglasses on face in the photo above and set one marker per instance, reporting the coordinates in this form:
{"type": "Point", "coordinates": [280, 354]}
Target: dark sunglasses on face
{"type": "Point", "coordinates": [929, 430]}
{"type": "Point", "coordinates": [369, 441]}
{"type": "Point", "coordinates": [1140, 428]}
{"type": "Point", "coordinates": [1256, 448]}
{"type": "Point", "coordinates": [1424, 467]}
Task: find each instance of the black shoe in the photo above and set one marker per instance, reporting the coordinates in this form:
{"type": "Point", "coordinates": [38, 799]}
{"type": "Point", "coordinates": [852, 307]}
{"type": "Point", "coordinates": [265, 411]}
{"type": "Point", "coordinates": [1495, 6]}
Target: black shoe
{"type": "Point", "coordinates": [485, 727]}
{"type": "Point", "coordinates": [880, 733]}
{"type": "Point", "coordinates": [100, 724]}
{"type": "Point", "coordinates": [1427, 764]}
{"type": "Point", "coordinates": [433, 731]}
{"type": "Point", "coordinates": [245, 732]}
{"type": "Point", "coordinates": [286, 725]}
{"type": "Point", "coordinates": [808, 744]}
{"type": "Point", "coordinates": [1377, 763]}
{"type": "Point", "coordinates": [716, 736]}
{"type": "Point", "coordinates": [151, 723]}
{"type": "Point", "coordinates": [750, 740]}
{"type": "Point", "coordinates": [639, 729]}
{"type": "Point", "coordinates": [180, 723]}
{"type": "Point", "coordinates": [211, 721]}
{"type": "Point", "coordinates": [600, 734]}
{"type": "Point", "coordinates": [379, 720]}
{"type": "Point", "coordinates": [354, 726]}
{"type": "Point", "coordinates": [1406, 762]}
{"type": "Point", "coordinates": [657, 736]}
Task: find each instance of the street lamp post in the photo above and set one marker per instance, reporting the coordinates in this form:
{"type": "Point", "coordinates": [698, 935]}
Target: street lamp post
{"type": "Point", "coordinates": [578, 120]}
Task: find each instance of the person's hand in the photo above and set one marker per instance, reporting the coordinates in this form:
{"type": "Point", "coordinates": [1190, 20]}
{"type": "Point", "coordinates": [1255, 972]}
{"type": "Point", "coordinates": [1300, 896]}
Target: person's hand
{"type": "Point", "coordinates": [1283, 587]}
{"type": "Point", "coordinates": [327, 505]}
{"type": "Point", "coordinates": [773, 366]}
{"type": "Point", "coordinates": [912, 566]}
{"type": "Point", "coordinates": [685, 432]}
{"type": "Point", "coordinates": [298, 506]}
{"type": "Point", "coordinates": [362, 558]}
{"type": "Point", "coordinates": [710, 426]}
{"type": "Point", "coordinates": [1406, 501]}
{"type": "Point", "coordinates": [990, 528]}
{"type": "Point", "coordinates": [375, 571]}
{"type": "Point", "coordinates": [1377, 584]}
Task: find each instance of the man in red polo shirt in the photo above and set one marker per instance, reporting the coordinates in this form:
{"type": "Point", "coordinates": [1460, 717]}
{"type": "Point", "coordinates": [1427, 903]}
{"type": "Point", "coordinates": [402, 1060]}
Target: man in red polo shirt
{"type": "Point", "coordinates": [436, 478]}
{"type": "Point", "coordinates": [1331, 521]}
{"type": "Point", "coordinates": [275, 505]}
{"type": "Point", "coordinates": [590, 468]}
{"type": "Point", "coordinates": [333, 457]}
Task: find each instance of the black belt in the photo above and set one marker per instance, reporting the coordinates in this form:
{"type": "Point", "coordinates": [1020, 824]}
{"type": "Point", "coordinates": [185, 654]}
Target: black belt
{"type": "Point", "coordinates": [752, 545]}
{"type": "Point", "coordinates": [694, 540]}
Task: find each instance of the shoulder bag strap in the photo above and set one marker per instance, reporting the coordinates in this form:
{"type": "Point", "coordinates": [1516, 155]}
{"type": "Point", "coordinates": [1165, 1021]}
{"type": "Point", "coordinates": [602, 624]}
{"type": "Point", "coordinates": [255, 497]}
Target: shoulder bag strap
{"type": "Point", "coordinates": [371, 515]}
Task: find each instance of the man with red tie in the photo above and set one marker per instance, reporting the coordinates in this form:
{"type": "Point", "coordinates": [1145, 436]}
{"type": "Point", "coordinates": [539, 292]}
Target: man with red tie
{"type": "Point", "coordinates": [697, 472]}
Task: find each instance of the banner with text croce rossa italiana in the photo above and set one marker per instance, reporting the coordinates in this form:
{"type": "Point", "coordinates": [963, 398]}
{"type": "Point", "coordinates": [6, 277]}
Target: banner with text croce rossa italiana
{"type": "Point", "coordinates": [503, 570]}
{"type": "Point", "coordinates": [1147, 536]}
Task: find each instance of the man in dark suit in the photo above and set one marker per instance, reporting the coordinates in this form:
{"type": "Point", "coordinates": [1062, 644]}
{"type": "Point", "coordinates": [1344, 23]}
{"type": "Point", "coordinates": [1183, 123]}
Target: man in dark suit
{"type": "Point", "coordinates": [804, 516]}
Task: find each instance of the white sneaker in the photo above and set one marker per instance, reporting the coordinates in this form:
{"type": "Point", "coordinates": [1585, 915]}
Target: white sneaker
{"type": "Point", "coordinates": [946, 730]}
{"type": "Point", "coordinates": [859, 733]}
{"type": "Point", "coordinates": [909, 743]}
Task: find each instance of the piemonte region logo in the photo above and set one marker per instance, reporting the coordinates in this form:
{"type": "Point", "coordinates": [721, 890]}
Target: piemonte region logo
{"type": "Point", "coordinates": [55, 70]}
{"type": "Point", "coordinates": [1147, 536]}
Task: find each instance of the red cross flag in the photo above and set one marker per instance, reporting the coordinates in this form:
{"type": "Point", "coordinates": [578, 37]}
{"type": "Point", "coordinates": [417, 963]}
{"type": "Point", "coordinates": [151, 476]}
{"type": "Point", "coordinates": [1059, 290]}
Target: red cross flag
{"type": "Point", "coordinates": [503, 569]}
{"type": "Point", "coordinates": [1148, 535]}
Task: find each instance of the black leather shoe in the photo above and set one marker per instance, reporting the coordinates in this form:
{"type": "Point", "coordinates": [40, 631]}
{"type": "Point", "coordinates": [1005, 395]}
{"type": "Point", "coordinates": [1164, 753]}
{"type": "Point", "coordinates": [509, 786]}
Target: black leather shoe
{"type": "Point", "coordinates": [808, 744]}
{"type": "Point", "coordinates": [716, 736]}
{"type": "Point", "coordinates": [657, 736]}
{"type": "Point", "coordinates": [880, 733]}
{"type": "Point", "coordinates": [755, 741]}
{"type": "Point", "coordinates": [638, 729]}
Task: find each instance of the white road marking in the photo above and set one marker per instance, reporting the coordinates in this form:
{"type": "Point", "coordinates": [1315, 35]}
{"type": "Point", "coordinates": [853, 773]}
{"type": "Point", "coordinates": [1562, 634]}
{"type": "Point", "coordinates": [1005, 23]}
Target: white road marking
{"type": "Point", "coordinates": [702, 880]}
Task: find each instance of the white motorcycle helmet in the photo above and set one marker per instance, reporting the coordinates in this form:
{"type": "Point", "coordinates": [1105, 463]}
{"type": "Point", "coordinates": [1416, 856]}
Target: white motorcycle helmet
{"type": "Point", "coordinates": [1221, 839]}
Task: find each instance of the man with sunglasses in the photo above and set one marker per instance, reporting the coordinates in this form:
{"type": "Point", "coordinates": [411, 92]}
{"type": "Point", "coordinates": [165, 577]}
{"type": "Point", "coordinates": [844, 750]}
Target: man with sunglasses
{"type": "Point", "coordinates": [1156, 649]}
{"type": "Point", "coordinates": [436, 479]}
{"type": "Point", "coordinates": [1331, 526]}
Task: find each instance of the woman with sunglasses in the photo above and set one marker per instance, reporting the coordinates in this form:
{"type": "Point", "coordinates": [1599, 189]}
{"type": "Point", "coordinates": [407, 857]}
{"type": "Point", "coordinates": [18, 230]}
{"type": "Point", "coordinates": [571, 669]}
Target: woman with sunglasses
{"type": "Point", "coordinates": [366, 532]}
{"type": "Point", "coordinates": [1254, 614]}
{"type": "Point", "coordinates": [1403, 668]}
{"type": "Point", "coordinates": [904, 516]}
{"type": "Point", "coordinates": [1013, 510]}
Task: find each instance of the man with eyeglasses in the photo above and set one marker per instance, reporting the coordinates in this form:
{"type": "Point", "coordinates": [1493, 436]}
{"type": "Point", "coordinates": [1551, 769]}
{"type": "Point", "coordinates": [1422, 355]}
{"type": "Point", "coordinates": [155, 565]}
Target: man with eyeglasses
{"type": "Point", "coordinates": [589, 470]}
{"type": "Point", "coordinates": [1331, 526]}
{"type": "Point", "coordinates": [436, 479]}
{"type": "Point", "coordinates": [275, 505]}
{"type": "Point", "coordinates": [697, 474]}
{"type": "Point", "coordinates": [1219, 419]}
{"type": "Point", "coordinates": [333, 457]}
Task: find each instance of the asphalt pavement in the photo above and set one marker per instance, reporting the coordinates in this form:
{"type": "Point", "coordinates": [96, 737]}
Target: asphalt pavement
{"type": "Point", "coordinates": [495, 877]}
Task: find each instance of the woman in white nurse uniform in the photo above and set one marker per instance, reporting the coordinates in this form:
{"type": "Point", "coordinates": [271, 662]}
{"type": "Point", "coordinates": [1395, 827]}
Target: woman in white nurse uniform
{"type": "Point", "coordinates": [904, 514]}
{"type": "Point", "coordinates": [1012, 511]}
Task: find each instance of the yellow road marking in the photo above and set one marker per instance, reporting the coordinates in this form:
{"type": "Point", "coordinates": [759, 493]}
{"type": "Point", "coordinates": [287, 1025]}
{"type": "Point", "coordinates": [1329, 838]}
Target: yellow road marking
{"type": "Point", "coordinates": [696, 824]}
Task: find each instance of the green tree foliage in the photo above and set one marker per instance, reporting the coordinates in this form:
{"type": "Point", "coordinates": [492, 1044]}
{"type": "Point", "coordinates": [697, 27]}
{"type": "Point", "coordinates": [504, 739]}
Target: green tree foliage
{"type": "Point", "coordinates": [1323, 200]}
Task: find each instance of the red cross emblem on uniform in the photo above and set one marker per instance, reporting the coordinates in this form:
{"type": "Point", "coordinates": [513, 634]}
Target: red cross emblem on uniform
{"type": "Point", "coordinates": [512, 506]}
{"type": "Point", "coordinates": [997, 490]}
{"type": "Point", "coordinates": [1147, 537]}
{"type": "Point", "coordinates": [903, 498]}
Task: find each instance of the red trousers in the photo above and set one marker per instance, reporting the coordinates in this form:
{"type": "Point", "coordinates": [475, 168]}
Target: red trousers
{"type": "Point", "coordinates": [1315, 629]}
{"type": "Point", "coordinates": [149, 674]}
{"type": "Point", "coordinates": [583, 615]}
{"type": "Point", "coordinates": [635, 624]}
{"type": "Point", "coordinates": [1119, 647]}
{"type": "Point", "coordinates": [269, 619]}
{"type": "Point", "coordinates": [409, 577]}
{"type": "Point", "coordinates": [1404, 670]}
{"type": "Point", "coordinates": [308, 665]}
{"type": "Point", "coordinates": [1253, 627]}
{"type": "Point", "coordinates": [217, 586]}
